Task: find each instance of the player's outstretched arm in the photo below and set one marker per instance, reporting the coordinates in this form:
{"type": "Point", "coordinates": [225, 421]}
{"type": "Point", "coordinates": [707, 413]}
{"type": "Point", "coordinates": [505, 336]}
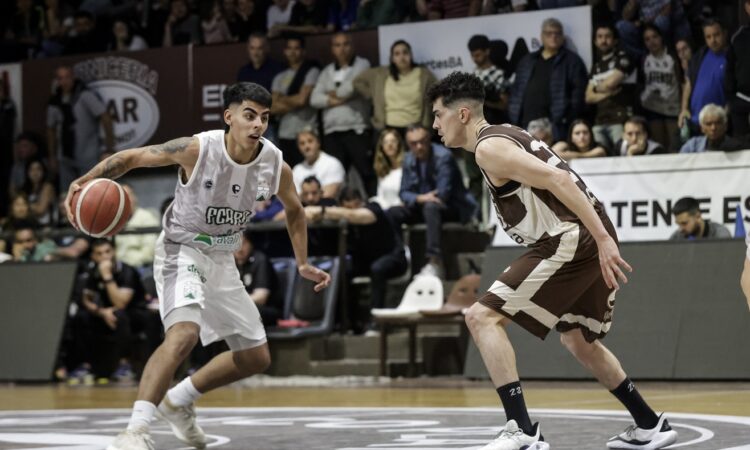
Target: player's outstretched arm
{"type": "Point", "coordinates": [297, 228]}
{"type": "Point", "coordinates": [503, 160]}
{"type": "Point", "coordinates": [183, 151]}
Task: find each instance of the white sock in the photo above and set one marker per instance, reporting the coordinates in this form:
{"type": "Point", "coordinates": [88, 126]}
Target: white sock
{"type": "Point", "coordinates": [184, 393]}
{"type": "Point", "coordinates": [143, 412]}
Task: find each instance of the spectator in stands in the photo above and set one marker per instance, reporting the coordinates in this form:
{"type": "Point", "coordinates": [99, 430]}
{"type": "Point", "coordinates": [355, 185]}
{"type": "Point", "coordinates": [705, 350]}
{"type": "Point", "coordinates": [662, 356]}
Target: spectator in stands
{"type": "Point", "coordinates": [541, 129]}
{"type": "Point", "coordinates": [291, 91]}
{"type": "Point", "coordinates": [182, 27]}
{"type": "Point", "coordinates": [137, 250]}
{"type": "Point", "coordinates": [397, 90]}
{"type": "Point", "coordinates": [611, 87]}
{"type": "Point", "coordinates": [635, 140]}
{"type": "Point", "coordinates": [692, 226]}
{"type": "Point", "coordinates": [668, 15]}
{"type": "Point", "coordinates": [503, 6]}
{"type": "Point", "coordinates": [26, 246]}
{"type": "Point", "coordinates": [74, 246]}
{"type": "Point", "coordinates": [433, 192]}
{"type": "Point", "coordinates": [20, 211]}
{"type": "Point", "coordinates": [85, 38]}
{"type": "Point", "coordinates": [75, 114]}
{"type": "Point", "coordinates": [684, 51]}
{"type": "Point", "coordinates": [259, 279]}
{"type": "Point", "coordinates": [550, 82]}
{"type": "Point", "coordinates": [342, 15]}
{"type": "Point", "coordinates": [308, 17]}
{"type": "Point", "coordinates": [375, 246]}
{"type": "Point", "coordinates": [7, 133]}
{"type": "Point", "coordinates": [373, 13]}
{"type": "Point", "coordinates": [261, 69]}
{"type": "Point", "coordinates": [737, 79]}
{"type": "Point", "coordinates": [249, 19]}
{"type": "Point", "coordinates": [25, 28]}
{"type": "Point", "coordinates": [320, 241]}
{"type": "Point", "coordinates": [280, 13]}
{"type": "Point", "coordinates": [123, 38]}
{"type": "Point", "coordinates": [58, 16]}
{"type": "Point", "coordinates": [389, 155]}
{"type": "Point", "coordinates": [215, 26]}
{"type": "Point", "coordinates": [112, 310]}
{"type": "Point", "coordinates": [660, 97]}
{"type": "Point", "coordinates": [158, 13]}
{"type": "Point", "coordinates": [25, 149]}
{"type": "Point", "coordinates": [40, 192]}
{"type": "Point", "coordinates": [714, 123]}
{"type": "Point", "coordinates": [452, 9]}
{"type": "Point", "coordinates": [580, 143]}
{"type": "Point", "coordinates": [346, 114]}
{"type": "Point", "coordinates": [704, 82]}
{"type": "Point", "coordinates": [327, 169]}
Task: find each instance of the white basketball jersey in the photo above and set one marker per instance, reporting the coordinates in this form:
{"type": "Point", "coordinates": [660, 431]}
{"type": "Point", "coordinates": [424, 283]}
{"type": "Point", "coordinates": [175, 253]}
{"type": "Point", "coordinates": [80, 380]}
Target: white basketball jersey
{"type": "Point", "coordinates": [210, 211]}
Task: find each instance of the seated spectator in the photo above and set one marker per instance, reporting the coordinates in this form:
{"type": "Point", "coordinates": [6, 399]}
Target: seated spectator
{"type": "Point", "coordinates": [373, 13]}
{"type": "Point", "coordinates": [215, 26]}
{"type": "Point", "coordinates": [662, 85]}
{"type": "Point", "coordinates": [182, 27]}
{"type": "Point", "coordinates": [389, 155]}
{"type": "Point", "coordinates": [278, 14]}
{"type": "Point", "coordinates": [447, 9]}
{"type": "Point", "coordinates": [137, 250]}
{"type": "Point", "coordinates": [580, 143]}
{"type": "Point", "coordinates": [85, 38]}
{"type": "Point", "coordinates": [40, 192]}
{"type": "Point", "coordinates": [320, 241]}
{"type": "Point", "coordinates": [20, 214]}
{"type": "Point", "coordinates": [123, 38]}
{"type": "Point", "coordinates": [503, 6]}
{"type": "Point", "coordinates": [26, 246]}
{"type": "Point", "coordinates": [635, 140]}
{"type": "Point", "coordinates": [342, 15]}
{"type": "Point", "coordinates": [308, 17]}
{"type": "Point", "coordinates": [259, 279]}
{"type": "Point", "coordinates": [541, 129]}
{"type": "Point", "coordinates": [692, 226]}
{"type": "Point", "coordinates": [25, 149]}
{"type": "Point", "coordinates": [433, 191]}
{"type": "Point", "coordinates": [397, 90]}
{"type": "Point", "coordinates": [376, 248]}
{"type": "Point", "coordinates": [266, 210]}
{"type": "Point", "coordinates": [327, 169]}
{"type": "Point", "coordinates": [737, 78]}
{"type": "Point", "coordinates": [713, 120]}
{"type": "Point", "coordinates": [249, 19]}
{"type": "Point", "coordinates": [668, 15]}
{"type": "Point", "coordinates": [111, 312]}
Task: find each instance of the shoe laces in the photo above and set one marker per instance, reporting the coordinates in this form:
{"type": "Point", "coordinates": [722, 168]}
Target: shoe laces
{"type": "Point", "coordinates": [507, 434]}
{"type": "Point", "coordinates": [630, 431]}
{"type": "Point", "coordinates": [142, 434]}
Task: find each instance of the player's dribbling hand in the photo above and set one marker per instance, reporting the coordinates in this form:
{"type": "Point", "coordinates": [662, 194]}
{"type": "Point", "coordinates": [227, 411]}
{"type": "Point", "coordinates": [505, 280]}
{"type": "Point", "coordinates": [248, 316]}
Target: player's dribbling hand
{"type": "Point", "coordinates": [612, 263]}
{"type": "Point", "coordinates": [74, 187]}
{"type": "Point", "coordinates": [312, 273]}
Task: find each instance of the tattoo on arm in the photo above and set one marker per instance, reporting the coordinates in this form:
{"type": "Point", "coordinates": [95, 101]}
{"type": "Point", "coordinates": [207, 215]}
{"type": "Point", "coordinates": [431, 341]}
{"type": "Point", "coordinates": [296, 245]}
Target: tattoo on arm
{"type": "Point", "coordinates": [111, 168]}
{"type": "Point", "coordinates": [174, 146]}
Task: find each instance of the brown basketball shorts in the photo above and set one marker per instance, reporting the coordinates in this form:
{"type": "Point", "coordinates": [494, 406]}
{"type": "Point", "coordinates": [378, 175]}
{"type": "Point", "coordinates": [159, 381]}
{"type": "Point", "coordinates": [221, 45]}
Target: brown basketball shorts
{"type": "Point", "coordinates": [556, 284]}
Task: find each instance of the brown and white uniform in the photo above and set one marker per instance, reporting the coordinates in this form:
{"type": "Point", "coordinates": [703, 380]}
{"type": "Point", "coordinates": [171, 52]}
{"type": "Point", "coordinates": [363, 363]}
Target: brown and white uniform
{"type": "Point", "coordinates": [558, 283]}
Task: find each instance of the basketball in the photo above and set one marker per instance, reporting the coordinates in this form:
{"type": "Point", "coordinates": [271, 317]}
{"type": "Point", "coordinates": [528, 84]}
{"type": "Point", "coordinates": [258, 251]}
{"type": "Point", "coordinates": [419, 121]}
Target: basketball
{"type": "Point", "coordinates": [101, 208]}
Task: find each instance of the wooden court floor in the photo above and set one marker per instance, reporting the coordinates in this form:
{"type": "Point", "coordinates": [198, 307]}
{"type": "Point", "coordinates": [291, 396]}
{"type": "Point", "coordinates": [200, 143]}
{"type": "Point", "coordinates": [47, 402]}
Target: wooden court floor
{"type": "Point", "coordinates": [688, 397]}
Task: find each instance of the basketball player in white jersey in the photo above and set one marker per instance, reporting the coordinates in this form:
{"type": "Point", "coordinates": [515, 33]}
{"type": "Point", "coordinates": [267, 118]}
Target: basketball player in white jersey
{"type": "Point", "coordinates": [222, 173]}
{"type": "Point", "coordinates": [566, 281]}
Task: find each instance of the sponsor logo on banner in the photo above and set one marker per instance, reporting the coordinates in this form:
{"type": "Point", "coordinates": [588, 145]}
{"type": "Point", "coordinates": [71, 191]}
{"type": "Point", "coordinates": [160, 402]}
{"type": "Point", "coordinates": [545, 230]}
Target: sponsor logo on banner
{"type": "Point", "coordinates": [128, 87]}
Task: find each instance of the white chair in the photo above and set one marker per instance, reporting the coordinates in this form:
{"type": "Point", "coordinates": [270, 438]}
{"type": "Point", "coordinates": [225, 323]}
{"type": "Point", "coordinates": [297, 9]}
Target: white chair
{"type": "Point", "coordinates": [425, 293]}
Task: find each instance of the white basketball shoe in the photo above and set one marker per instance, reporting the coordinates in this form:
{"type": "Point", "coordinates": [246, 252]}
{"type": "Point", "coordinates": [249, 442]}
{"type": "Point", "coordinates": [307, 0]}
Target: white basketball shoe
{"type": "Point", "coordinates": [513, 438]}
{"type": "Point", "coordinates": [136, 439]}
{"type": "Point", "coordinates": [662, 435]}
{"type": "Point", "coordinates": [183, 422]}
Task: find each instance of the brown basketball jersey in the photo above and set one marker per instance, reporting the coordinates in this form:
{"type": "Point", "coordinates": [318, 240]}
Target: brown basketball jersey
{"type": "Point", "coordinates": [530, 215]}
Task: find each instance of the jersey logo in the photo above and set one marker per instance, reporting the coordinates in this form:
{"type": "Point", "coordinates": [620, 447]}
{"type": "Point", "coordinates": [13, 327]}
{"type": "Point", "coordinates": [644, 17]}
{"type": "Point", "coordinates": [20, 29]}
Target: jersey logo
{"type": "Point", "coordinates": [264, 193]}
{"type": "Point", "coordinates": [236, 189]}
{"type": "Point", "coordinates": [203, 238]}
{"type": "Point", "coordinates": [208, 184]}
{"type": "Point", "coordinates": [226, 216]}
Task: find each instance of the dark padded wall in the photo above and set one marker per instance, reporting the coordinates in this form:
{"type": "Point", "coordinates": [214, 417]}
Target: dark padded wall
{"type": "Point", "coordinates": [33, 304]}
{"type": "Point", "coordinates": [681, 316]}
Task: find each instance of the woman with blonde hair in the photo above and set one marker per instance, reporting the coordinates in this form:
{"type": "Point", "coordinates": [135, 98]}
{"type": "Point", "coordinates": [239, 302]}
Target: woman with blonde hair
{"type": "Point", "coordinates": [389, 153]}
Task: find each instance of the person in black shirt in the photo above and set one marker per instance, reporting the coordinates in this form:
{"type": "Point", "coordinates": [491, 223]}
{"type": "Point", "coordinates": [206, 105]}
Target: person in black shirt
{"type": "Point", "coordinates": [259, 278]}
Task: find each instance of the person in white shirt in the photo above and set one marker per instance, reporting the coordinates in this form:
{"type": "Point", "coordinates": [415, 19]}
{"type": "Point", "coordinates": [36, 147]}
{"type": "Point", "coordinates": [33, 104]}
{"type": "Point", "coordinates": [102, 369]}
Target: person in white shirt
{"type": "Point", "coordinates": [278, 14]}
{"type": "Point", "coordinates": [389, 154]}
{"type": "Point", "coordinates": [316, 162]}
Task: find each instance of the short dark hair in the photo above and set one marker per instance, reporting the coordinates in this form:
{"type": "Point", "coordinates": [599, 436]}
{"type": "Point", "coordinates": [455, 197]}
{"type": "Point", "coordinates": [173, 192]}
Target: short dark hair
{"type": "Point", "coordinates": [609, 26]}
{"type": "Point", "coordinates": [416, 126]}
{"type": "Point", "coordinates": [98, 242]}
{"type": "Point", "coordinates": [23, 224]}
{"type": "Point", "coordinates": [457, 86]}
{"type": "Point", "coordinates": [710, 22]}
{"type": "Point", "coordinates": [479, 42]}
{"type": "Point", "coordinates": [295, 37]}
{"type": "Point", "coordinates": [83, 14]}
{"type": "Point", "coordinates": [312, 179]}
{"type": "Point", "coordinates": [244, 90]}
{"type": "Point", "coordinates": [686, 204]}
{"type": "Point", "coordinates": [639, 120]}
{"type": "Point", "coordinates": [350, 193]}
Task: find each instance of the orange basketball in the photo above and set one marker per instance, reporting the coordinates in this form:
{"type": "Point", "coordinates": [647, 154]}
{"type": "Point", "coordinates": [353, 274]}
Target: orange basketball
{"type": "Point", "coordinates": [101, 208]}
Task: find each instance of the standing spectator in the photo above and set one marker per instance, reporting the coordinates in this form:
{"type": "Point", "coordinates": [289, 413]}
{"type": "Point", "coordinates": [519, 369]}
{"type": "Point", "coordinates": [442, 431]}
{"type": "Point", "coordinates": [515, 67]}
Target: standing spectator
{"type": "Point", "coordinates": [278, 14]}
{"type": "Point", "coordinates": [389, 155]}
{"type": "Point", "coordinates": [737, 79]}
{"type": "Point", "coordinates": [397, 90]}
{"type": "Point", "coordinates": [58, 20]}
{"type": "Point", "coordinates": [26, 246]}
{"type": "Point", "coordinates": [342, 15]}
{"type": "Point", "coordinates": [137, 250]}
{"type": "Point", "coordinates": [291, 91]}
{"type": "Point", "coordinates": [611, 87]}
{"type": "Point", "coordinates": [550, 82]}
{"type": "Point", "coordinates": [452, 9]}
{"type": "Point", "coordinates": [182, 27]}
{"type": "Point", "coordinates": [685, 53]}
{"type": "Point", "coordinates": [668, 15]}
{"type": "Point", "coordinates": [25, 28]}
{"type": "Point", "coordinates": [346, 114]}
{"type": "Point", "coordinates": [215, 26]}
{"type": "Point", "coordinates": [714, 124]}
{"type": "Point", "coordinates": [74, 115]}
{"type": "Point", "coordinates": [158, 13]}
{"type": "Point", "coordinates": [85, 38]}
{"type": "Point", "coordinates": [433, 191]}
{"type": "Point", "coordinates": [259, 279]}
{"type": "Point", "coordinates": [660, 97]}
{"type": "Point", "coordinates": [123, 38]}
{"type": "Point", "coordinates": [704, 83]}
{"type": "Point", "coordinates": [373, 13]}
{"type": "Point", "coordinates": [580, 143]}
{"type": "Point", "coordinates": [261, 69]}
{"type": "Point", "coordinates": [552, 4]}
{"type": "Point", "coordinates": [308, 17]}
{"type": "Point", "coordinates": [327, 169]}
{"type": "Point", "coordinates": [249, 20]}
{"type": "Point", "coordinates": [40, 192]}
{"type": "Point", "coordinates": [503, 6]}
{"type": "Point", "coordinates": [7, 131]}
{"type": "Point", "coordinates": [687, 216]}
{"type": "Point", "coordinates": [635, 140]}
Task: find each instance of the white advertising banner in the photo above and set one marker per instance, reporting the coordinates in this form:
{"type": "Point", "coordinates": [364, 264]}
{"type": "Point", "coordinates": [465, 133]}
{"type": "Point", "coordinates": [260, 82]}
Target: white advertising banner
{"type": "Point", "coordinates": [638, 192]}
{"type": "Point", "coordinates": [442, 45]}
{"type": "Point", "coordinates": [10, 75]}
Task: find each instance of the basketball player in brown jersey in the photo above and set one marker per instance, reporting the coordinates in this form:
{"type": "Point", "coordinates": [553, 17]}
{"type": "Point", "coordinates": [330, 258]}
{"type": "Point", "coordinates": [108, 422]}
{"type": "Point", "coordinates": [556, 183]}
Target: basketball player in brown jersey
{"type": "Point", "coordinates": [566, 281]}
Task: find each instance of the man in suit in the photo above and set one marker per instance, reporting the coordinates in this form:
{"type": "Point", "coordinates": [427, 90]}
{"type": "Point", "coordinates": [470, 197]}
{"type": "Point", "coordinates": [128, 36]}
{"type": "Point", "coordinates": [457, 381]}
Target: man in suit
{"type": "Point", "coordinates": [433, 191]}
